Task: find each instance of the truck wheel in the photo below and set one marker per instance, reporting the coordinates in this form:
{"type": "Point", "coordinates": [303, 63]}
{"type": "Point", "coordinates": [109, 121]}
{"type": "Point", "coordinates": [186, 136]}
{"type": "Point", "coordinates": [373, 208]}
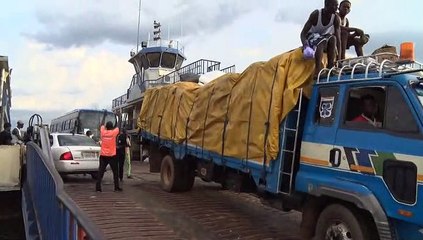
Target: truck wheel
{"type": "Point", "coordinates": [189, 177]}
{"type": "Point", "coordinates": [155, 159]}
{"type": "Point", "coordinates": [171, 175]}
{"type": "Point", "coordinates": [338, 222]}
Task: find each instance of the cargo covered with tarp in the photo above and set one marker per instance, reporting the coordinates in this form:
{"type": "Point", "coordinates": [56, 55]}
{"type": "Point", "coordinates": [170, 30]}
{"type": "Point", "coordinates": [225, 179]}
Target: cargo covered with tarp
{"type": "Point", "coordinates": [166, 110]}
{"type": "Point", "coordinates": [236, 115]}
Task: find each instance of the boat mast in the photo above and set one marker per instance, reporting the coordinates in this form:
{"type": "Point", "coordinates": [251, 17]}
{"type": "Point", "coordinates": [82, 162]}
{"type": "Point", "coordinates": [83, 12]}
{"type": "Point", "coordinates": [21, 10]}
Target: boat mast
{"type": "Point", "coordinates": [139, 18]}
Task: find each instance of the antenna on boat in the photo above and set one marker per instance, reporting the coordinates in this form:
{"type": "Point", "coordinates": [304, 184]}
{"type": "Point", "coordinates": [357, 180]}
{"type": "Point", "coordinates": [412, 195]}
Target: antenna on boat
{"type": "Point", "coordinates": [157, 31]}
{"type": "Point", "coordinates": [139, 18]}
{"type": "Point", "coordinates": [168, 32]}
{"type": "Point", "coordinates": [181, 30]}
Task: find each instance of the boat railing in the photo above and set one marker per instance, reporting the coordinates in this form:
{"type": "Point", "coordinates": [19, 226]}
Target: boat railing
{"type": "Point", "coordinates": [230, 69]}
{"type": "Point", "coordinates": [119, 101]}
{"type": "Point", "coordinates": [199, 67]}
{"type": "Point", "coordinates": [55, 213]}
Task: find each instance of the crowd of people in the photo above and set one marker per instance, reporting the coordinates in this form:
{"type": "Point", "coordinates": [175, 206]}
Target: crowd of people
{"type": "Point", "coordinates": [328, 30]}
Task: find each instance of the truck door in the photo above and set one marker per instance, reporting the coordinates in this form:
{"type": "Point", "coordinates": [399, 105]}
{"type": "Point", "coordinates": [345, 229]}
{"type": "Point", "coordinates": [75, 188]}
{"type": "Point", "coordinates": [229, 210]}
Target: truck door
{"type": "Point", "coordinates": [380, 142]}
{"type": "Point", "coordinates": [320, 126]}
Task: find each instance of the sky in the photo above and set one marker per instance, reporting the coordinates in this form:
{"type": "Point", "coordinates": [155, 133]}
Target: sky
{"type": "Point", "coordinates": [71, 54]}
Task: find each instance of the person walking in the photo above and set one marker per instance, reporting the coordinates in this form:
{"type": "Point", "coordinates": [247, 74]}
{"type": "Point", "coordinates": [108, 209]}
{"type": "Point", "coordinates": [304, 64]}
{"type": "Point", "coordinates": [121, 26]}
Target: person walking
{"type": "Point", "coordinates": [108, 136]}
{"type": "Point", "coordinates": [128, 156]}
{"type": "Point", "coordinates": [120, 152]}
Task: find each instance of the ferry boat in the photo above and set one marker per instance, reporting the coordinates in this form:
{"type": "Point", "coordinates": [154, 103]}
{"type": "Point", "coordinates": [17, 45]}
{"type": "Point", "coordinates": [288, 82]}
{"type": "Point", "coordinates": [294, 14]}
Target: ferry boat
{"type": "Point", "coordinates": [157, 62]}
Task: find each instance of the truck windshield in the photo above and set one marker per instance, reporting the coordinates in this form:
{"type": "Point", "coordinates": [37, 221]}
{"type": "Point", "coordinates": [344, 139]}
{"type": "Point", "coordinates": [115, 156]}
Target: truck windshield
{"type": "Point", "coordinates": [418, 87]}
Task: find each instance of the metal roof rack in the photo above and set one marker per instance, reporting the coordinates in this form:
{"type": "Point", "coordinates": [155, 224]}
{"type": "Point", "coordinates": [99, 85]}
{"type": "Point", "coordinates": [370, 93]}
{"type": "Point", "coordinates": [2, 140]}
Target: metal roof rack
{"type": "Point", "coordinates": [373, 67]}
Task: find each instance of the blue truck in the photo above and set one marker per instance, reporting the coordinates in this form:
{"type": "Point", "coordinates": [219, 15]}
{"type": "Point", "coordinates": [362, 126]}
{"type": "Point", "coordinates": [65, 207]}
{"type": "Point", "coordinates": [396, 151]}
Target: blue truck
{"type": "Point", "coordinates": [350, 157]}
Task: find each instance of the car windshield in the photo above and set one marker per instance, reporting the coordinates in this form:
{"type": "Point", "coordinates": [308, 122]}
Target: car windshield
{"type": "Point", "coordinates": [75, 140]}
{"type": "Point", "coordinates": [418, 89]}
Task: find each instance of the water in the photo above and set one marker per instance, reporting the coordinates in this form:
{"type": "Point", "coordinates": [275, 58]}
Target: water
{"type": "Point", "coordinates": [11, 222]}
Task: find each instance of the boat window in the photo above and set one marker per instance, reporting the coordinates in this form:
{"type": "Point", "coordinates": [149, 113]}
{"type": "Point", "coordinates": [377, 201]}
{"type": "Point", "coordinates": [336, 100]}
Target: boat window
{"type": "Point", "coordinates": [179, 61]}
{"type": "Point", "coordinates": [168, 60]}
{"type": "Point", "coordinates": [144, 61]}
{"type": "Point", "coordinates": [153, 59]}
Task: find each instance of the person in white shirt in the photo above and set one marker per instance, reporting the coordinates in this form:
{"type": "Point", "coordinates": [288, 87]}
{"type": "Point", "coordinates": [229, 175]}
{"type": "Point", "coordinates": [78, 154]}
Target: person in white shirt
{"type": "Point", "coordinates": [17, 136]}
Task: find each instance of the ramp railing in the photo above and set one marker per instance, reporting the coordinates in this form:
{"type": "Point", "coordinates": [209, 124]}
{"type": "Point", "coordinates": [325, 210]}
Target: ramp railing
{"type": "Point", "coordinates": [55, 214]}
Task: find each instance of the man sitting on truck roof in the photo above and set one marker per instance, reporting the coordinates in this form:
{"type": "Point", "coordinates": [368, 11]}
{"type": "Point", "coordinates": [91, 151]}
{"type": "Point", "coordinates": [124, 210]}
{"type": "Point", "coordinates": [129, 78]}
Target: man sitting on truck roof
{"type": "Point", "coordinates": [350, 36]}
{"type": "Point", "coordinates": [369, 111]}
{"type": "Point", "coordinates": [321, 32]}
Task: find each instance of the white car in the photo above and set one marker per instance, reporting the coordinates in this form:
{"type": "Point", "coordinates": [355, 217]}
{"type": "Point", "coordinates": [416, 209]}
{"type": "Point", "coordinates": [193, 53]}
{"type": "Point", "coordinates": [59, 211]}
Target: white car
{"type": "Point", "coordinates": [75, 153]}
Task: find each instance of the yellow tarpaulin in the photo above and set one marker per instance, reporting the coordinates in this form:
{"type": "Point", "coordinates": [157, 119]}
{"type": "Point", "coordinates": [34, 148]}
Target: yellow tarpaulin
{"type": "Point", "coordinates": [236, 114]}
{"type": "Point", "coordinates": [166, 110]}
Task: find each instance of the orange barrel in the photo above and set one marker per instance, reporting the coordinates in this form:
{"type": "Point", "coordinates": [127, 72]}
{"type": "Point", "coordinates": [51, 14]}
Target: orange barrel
{"type": "Point", "coordinates": [407, 51]}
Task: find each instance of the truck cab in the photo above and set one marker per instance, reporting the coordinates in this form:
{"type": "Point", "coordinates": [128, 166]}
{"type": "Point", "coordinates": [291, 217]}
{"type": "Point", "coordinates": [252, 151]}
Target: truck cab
{"type": "Point", "coordinates": [361, 151]}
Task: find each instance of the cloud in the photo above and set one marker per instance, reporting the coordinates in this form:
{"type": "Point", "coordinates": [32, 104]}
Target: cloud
{"type": "Point", "coordinates": [395, 38]}
{"type": "Point", "coordinates": [88, 29]}
{"type": "Point", "coordinates": [296, 12]}
{"type": "Point", "coordinates": [373, 16]}
{"type": "Point", "coordinates": [72, 27]}
{"type": "Point", "coordinates": [25, 115]}
{"type": "Point", "coordinates": [66, 79]}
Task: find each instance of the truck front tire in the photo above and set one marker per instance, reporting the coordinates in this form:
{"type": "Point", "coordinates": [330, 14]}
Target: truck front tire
{"type": "Point", "coordinates": [338, 222]}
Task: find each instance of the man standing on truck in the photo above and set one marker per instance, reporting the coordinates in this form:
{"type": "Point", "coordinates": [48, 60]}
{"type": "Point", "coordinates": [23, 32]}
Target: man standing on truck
{"type": "Point", "coordinates": [5, 136]}
{"type": "Point", "coordinates": [321, 32]}
{"type": "Point", "coordinates": [350, 36]}
{"type": "Point", "coordinates": [108, 136]}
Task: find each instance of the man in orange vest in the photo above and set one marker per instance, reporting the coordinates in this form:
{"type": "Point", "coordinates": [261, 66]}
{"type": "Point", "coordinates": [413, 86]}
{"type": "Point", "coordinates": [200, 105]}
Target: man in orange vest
{"type": "Point", "coordinates": [108, 136]}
